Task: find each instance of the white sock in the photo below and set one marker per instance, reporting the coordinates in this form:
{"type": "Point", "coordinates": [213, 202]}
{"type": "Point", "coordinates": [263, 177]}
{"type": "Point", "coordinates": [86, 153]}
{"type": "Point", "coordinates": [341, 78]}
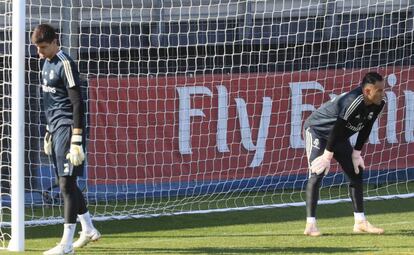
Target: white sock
{"type": "Point", "coordinates": [311, 220]}
{"type": "Point", "coordinates": [359, 216]}
{"type": "Point", "coordinates": [86, 222]}
{"type": "Point", "coordinates": [68, 233]}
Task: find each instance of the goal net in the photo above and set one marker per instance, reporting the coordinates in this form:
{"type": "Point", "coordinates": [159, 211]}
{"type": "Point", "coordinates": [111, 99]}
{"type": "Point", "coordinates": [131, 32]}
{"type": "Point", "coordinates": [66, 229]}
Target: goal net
{"type": "Point", "coordinates": [198, 105]}
{"type": "Point", "coordinates": [5, 121]}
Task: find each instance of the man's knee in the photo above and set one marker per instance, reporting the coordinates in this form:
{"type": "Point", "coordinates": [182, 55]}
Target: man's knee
{"type": "Point", "coordinates": [67, 184]}
{"type": "Point", "coordinates": [356, 181]}
{"type": "Point", "coordinates": [315, 180]}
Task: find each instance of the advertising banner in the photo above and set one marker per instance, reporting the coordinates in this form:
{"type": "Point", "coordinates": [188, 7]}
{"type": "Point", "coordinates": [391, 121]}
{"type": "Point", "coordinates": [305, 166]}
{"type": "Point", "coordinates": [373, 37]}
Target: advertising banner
{"type": "Point", "coordinates": [234, 126]}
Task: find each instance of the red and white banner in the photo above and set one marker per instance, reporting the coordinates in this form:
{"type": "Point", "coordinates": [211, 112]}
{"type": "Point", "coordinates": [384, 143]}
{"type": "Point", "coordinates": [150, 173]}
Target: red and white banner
{"type": "Point", "coordinates": [224, 127]}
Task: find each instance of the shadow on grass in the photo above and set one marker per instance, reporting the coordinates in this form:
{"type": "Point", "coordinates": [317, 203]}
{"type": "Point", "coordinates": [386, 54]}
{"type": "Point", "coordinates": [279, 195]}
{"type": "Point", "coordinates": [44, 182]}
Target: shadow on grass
{"type": "Point", "coordinates": [299, 234]}
{"type": "Point", "coordinates": [239, 250]}
{"type": "Point", "coordinates": [258, 216]}
{"type": "Point", "coordinates": [406, 232]}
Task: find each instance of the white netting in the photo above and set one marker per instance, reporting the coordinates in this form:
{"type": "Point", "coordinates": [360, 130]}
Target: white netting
{"type": "Point", "coordinates": [5, 122]}
{"type": "Point", "coordinates": [198, 105]}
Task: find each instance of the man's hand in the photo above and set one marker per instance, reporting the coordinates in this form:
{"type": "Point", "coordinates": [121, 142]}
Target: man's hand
{"type": "Point", "coordinates": [76, 155]}
{"type": "Point", "coordinates": [47, 143]}
{"type": "Point", "coordinates": [322, 164]}
{"type": "Point", "coordinates": [357, 160]}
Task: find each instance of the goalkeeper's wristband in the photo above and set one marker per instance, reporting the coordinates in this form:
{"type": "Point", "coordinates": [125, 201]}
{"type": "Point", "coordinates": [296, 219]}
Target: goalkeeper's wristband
{"type": "Point", "coordinates": [77, 139]}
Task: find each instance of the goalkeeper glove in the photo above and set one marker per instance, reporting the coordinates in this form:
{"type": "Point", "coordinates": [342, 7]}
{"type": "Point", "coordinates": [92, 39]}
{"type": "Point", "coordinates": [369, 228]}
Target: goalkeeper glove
{"type": "Point", "coordinates": [76, 155]}
{"type": "Point", "coordinates": [47, 142]}
{"type": "Point", "coordinates": [357, 161]}
{"type": "Point", "coordinates": [322, 164]}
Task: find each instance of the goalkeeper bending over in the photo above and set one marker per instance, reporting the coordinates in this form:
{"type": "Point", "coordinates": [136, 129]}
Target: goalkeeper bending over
{"type": "Point", "coordinates": [63, 141]}
{"type": "Point", "coordinates": [327, 132]}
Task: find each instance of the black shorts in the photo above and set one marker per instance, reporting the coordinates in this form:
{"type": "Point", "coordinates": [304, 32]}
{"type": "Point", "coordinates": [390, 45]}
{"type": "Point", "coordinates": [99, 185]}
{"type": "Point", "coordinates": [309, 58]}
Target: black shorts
{"type": "Point", "coordinates": [315, 146]}
{"type": "Point", "coordinates": [61, 140]}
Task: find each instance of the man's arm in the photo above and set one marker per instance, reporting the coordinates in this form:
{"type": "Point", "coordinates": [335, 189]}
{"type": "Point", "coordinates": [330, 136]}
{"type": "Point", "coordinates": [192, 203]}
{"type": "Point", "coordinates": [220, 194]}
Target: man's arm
{"type": "Point", "coordinates": [338, 133]}
{"type": "Point", "coordinates": [70, 77]}
{"type": "Point", "coordinates": [76, 154]}
{"type": "Point", "coordinates": [75, 97]}
{"type": "Point", "coordinates": [348, 106]}
{"type": "Point", "coordinates": [364, 133]}
{"type": "Point", "coordinates": [363, 136]}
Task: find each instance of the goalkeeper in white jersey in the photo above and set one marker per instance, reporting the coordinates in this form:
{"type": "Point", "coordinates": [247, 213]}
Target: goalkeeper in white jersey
{"type": "Point", "coordinates": [327, 132]}
{"type": "Point", "coordinates": [64, 138]}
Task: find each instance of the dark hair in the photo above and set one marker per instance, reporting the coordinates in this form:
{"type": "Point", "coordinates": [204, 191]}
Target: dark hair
{"type": "Point", "coordinates": [43, 33]}
{"type": "Point", "coordinates": [371, 78]}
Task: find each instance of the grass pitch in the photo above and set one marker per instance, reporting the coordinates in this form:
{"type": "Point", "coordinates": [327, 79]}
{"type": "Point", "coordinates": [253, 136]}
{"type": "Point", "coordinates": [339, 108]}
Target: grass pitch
{"type": "Point", "coordinates": [261, 231]}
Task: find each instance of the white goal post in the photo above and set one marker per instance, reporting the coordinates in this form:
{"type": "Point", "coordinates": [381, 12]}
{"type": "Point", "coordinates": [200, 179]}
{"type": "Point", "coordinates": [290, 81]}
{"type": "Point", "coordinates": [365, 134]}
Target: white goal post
{"type": "Point", "coordinates": [195, 106]}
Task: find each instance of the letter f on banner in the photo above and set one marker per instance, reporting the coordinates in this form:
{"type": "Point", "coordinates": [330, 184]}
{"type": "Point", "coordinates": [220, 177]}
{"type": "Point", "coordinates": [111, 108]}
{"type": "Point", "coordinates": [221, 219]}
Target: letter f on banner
{"type": "Point", "coordinates": [185, 114]}
{"type": "Point", "coordinates": [298, 107]}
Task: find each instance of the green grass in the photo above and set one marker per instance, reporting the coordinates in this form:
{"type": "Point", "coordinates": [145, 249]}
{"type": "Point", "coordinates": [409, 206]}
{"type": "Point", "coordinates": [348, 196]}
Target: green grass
{"type": "Point", "coordinates": [263, 231]}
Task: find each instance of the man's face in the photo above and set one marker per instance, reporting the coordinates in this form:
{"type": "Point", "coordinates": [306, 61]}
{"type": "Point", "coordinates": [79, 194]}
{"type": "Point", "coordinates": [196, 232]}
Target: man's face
{"type": "Point", "coordinates": [47, 50]}
{"type": "Point", "coordinates": [374, 92]}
